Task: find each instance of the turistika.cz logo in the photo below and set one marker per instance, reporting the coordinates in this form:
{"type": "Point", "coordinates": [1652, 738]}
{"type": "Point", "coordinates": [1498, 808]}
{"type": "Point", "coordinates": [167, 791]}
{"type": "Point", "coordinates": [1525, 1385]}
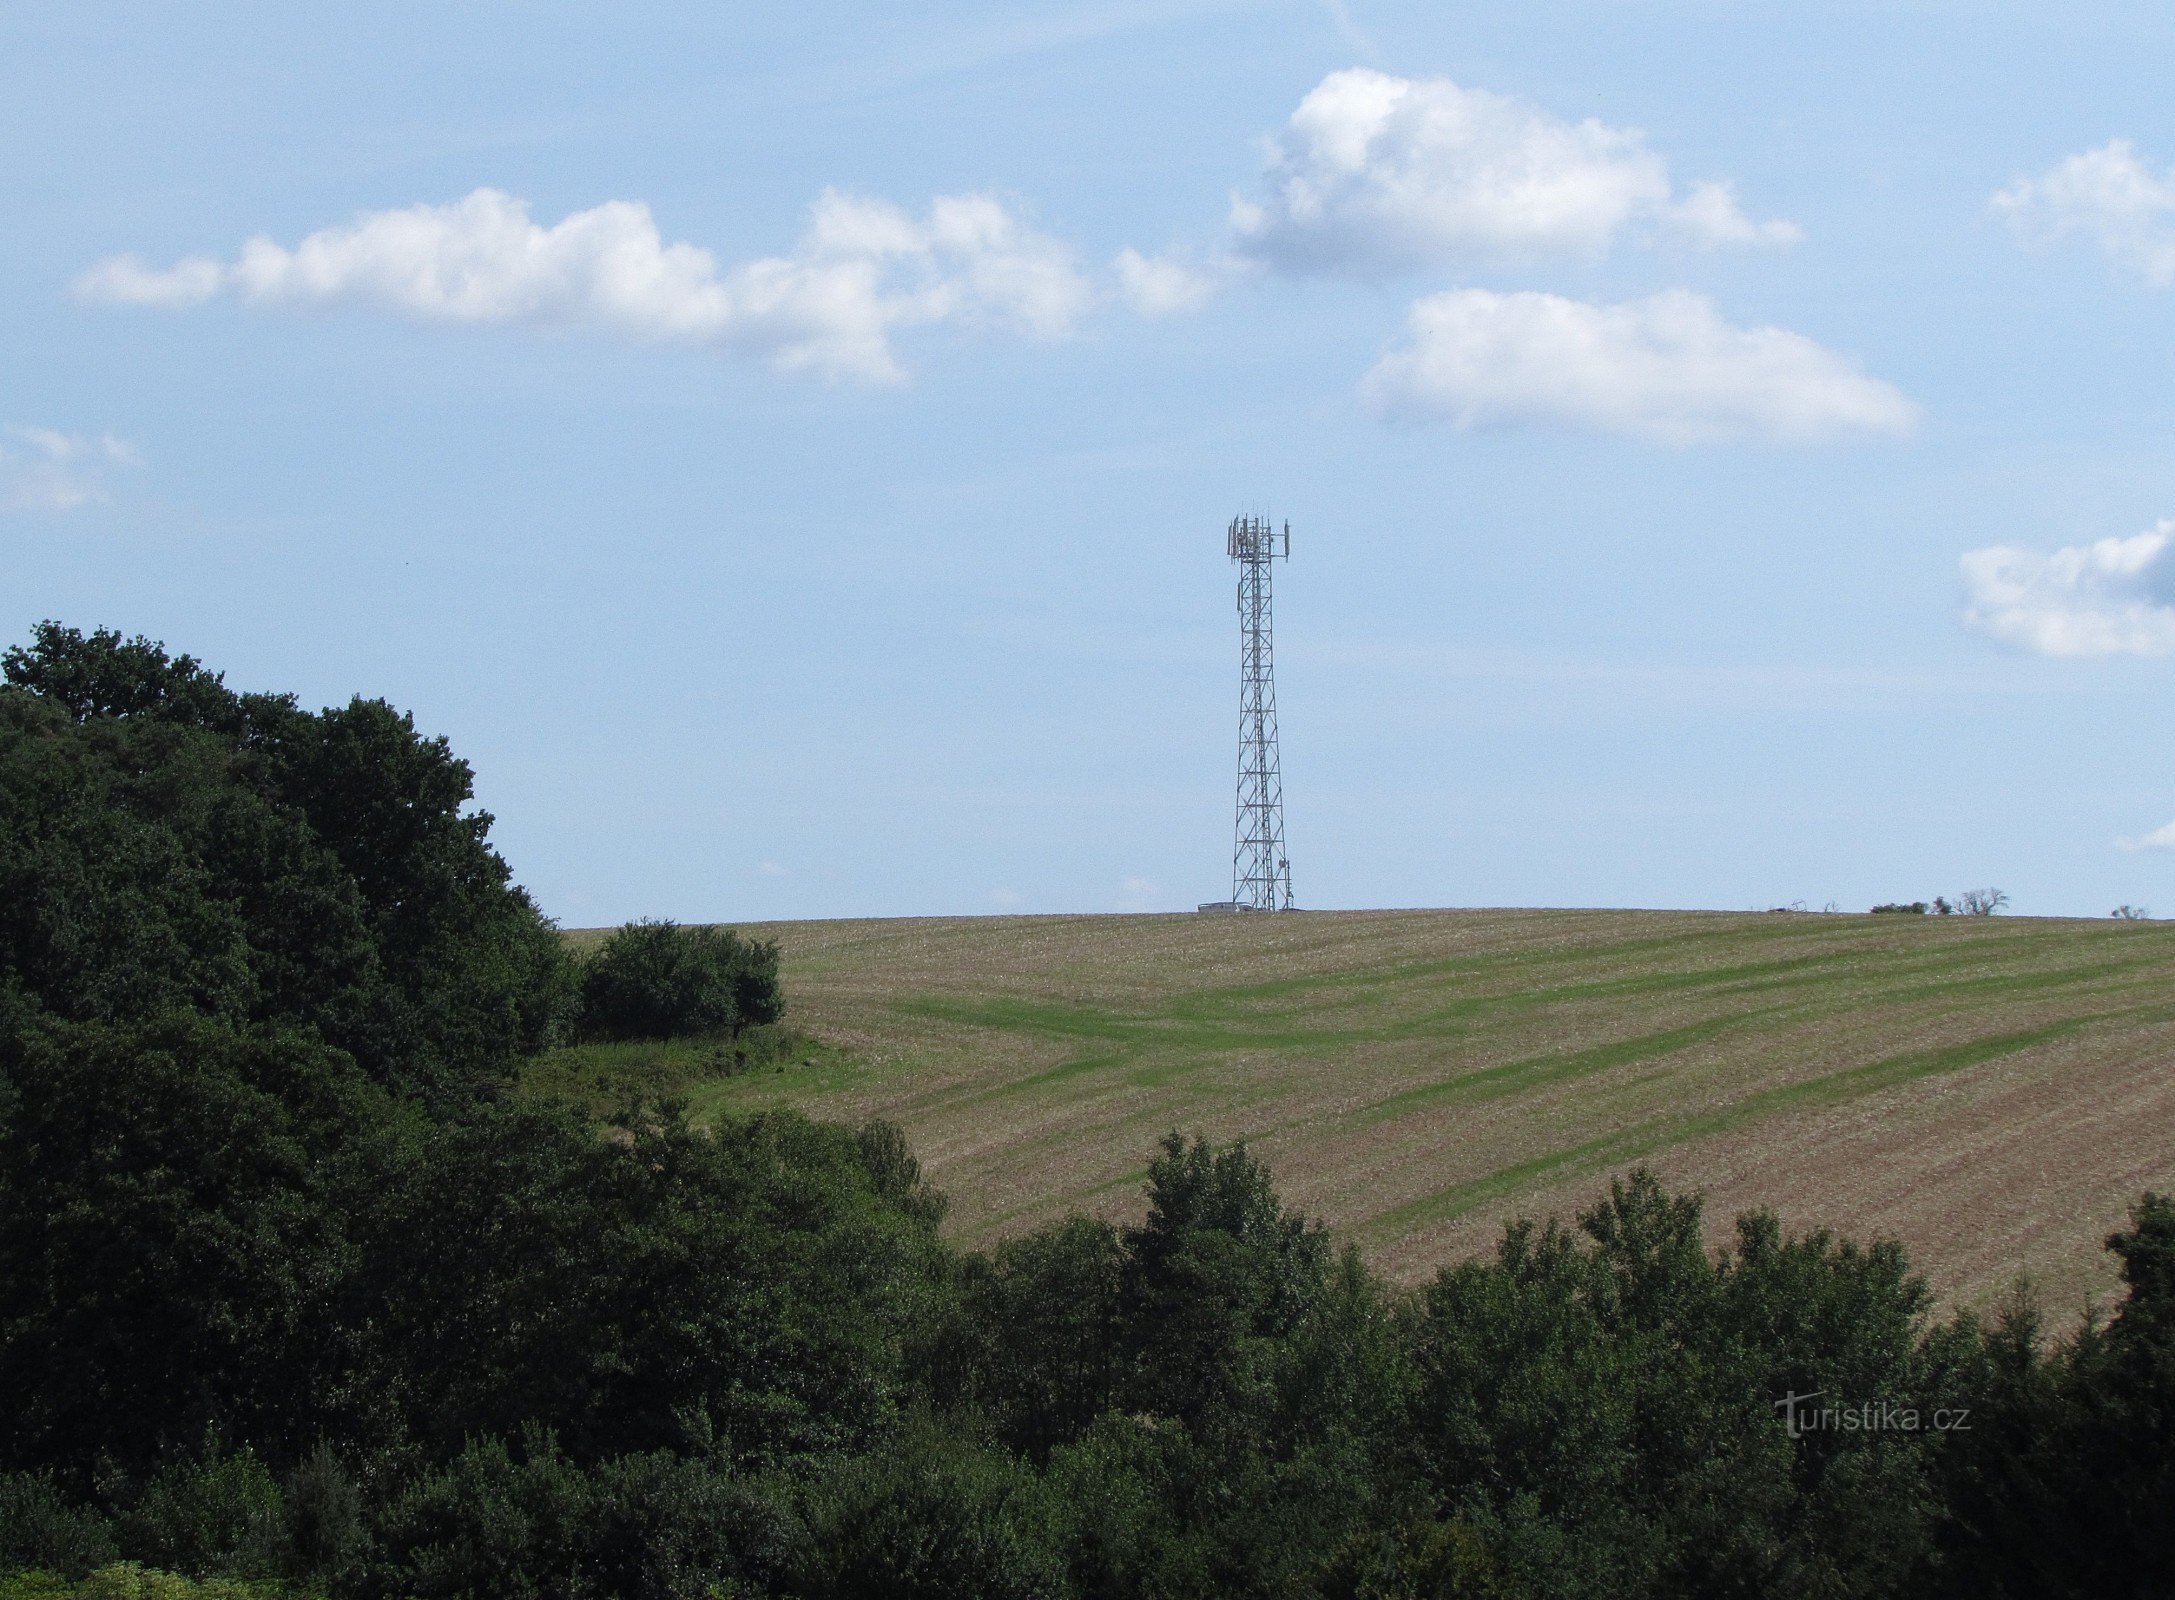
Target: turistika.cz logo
{"type": "Point", "coordinates": [1801, 1416]}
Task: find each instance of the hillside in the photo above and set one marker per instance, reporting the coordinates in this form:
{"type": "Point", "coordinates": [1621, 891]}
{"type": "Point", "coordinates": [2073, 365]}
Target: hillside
{"type": "Point", "coordinates": [1992, 1091]}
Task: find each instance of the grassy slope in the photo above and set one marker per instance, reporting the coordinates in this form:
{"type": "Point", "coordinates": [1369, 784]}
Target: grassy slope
{"type": "Point", "coordinates": [1992, 1091]}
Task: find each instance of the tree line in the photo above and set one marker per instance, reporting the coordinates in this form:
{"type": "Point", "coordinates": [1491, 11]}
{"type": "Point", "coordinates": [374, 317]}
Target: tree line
{"type": "Point", "coordinates": [297, 1296]}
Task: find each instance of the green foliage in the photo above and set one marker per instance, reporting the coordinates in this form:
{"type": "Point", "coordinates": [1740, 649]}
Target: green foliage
{"type": "Point", "coordinates": [1040, 1331]}
{"type": "Point", "coordinates": [2063, 1485]}
{"type": "Point", "coordinates": [166, 843]}
{"type": "Point", "coordinates": [895, 1174]}
{"type": "Point", "coordinates": [515, 1268]}
{"type": "Point", "coordinates": [327, 1528]}
{"type": "Point", "coordinates": [105, 675]}
{"type": "Point", "coordinates": [168, 1236]}
{"type": "Point", "coordinates": [934, 1517]}
{"type": "Point", "coordinates": [128, 1580]}
{"type": "Point", "coordinates": [291, 1295]}
{"type": "Point", "coordinates": [1217, 1275]}
{"type": "Point", "coordinates": [523, 1522]}
{"type": "Point", "coordinates": [219, 1512]}
{"type": "Point", "coordinates": [605, 1079]}
{"type": "Point", "coordinates": [1626, 1389]}
{"type": "Point", "coordinates": [1422, 1560]}
{"type": "Point", "coordinates": [658, 980]}
{"type": "Point", "coordinates": [1905, 908]}
{"type": "Point", "coordinates": [42, 1528]}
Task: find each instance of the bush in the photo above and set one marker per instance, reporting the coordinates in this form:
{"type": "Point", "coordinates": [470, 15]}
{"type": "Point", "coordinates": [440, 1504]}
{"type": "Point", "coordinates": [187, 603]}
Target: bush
{"type": "Point", "coordinates": [39, 1528]}
{"type": "Point", "coordinates": [658, 980]}
{"type": "Point", "coordinates": [220, 1512]}
{"type": "Point", "coordinates": [525, 1523]}
{"type": "Point", "coordinates": [126, 1580]}
{"type": "Point", "coordinates": [938, 1517]}
{"type": "Point", "coordinates": [327, 1532]}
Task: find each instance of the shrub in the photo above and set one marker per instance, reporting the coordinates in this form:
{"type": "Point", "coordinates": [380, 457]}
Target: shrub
{"type": "Point", "coordinates": [219, 1512]}
{"type": "Point", "coordinates": [658, 980]}
{"type": "Point", "coordinates": [1904, 908]}
{"type": "Point", "coordinates": [934, 1516]}
{"type": "Point", "coordinates": [127, 1580]}
{"type": "Point", "coordinates": [525, 1523]}
{"type": "Point", "coordinates": [40, 1528]}
{"type": "Point", "coordinates": [327, 1532]}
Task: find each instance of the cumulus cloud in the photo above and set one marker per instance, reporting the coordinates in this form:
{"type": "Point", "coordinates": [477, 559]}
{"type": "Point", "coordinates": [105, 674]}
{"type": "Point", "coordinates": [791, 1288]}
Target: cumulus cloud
{"type": "Point", "coordinates": [2111, 597]}
{"type": "Point", "coordinates": [2107, 195]}
{"type": "Point", "coordinates": [1376, 173]}
{"type": "Point", "coordinates": [863, 269]}
{"type": "Point", "coordinates": [1162, 286]}
{"type": "Point", "coordinates": [43, 469]}
{"type": "Point", "coordinates": [1665, 368]}
{"type": "Point", "coordinates": [2161, 838]}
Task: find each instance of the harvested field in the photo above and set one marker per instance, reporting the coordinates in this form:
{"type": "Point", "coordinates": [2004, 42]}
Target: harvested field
{"type": "Point", "coordinates": [1993, 1091]}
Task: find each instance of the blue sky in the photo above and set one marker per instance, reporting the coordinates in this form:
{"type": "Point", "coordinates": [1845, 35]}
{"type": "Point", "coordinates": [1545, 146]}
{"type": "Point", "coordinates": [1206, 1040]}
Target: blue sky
{"type": "Point", "coordinates": [1726, 446]}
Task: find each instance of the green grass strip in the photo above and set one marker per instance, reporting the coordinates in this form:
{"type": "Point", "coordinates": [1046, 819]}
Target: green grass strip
{"type": "Point", "coordinates": [1660, 1133]}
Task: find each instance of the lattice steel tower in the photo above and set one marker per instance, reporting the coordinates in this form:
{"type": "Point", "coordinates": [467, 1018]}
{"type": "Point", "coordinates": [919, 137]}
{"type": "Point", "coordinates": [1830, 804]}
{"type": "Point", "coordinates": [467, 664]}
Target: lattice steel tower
{"type": "Point", "coordinates": [1260, 874]}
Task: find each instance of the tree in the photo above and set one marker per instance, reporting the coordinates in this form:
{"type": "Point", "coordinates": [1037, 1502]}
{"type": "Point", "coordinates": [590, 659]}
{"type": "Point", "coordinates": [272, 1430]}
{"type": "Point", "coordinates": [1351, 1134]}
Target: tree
{"type": "Point", "coordinates": [1217, 1273]}
{"type": "Point", "coordinates": [1041, 1313]}
{"type": "Point", "coordinates": [934, 1517]}
{"type": "Point", "coordinates": [1603, 1414]}
{"type": "Point", "coordinates": [165, 843]}
{"type": "Point", "coordinates": [2062, 1485]}
{"type": "Point", "coordinates": [168, 1248]}
{"type": "Point", "coordinates": [105, 675]}
{"type": "Point", "coordinates": [750, 1280]}
{"type": "Point", "coordinates": [658, 980]}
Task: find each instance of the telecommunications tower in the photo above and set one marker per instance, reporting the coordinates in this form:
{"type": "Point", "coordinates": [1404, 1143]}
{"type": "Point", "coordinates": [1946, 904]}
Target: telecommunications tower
{"type": "Point", "coordinates": [1260, 874]}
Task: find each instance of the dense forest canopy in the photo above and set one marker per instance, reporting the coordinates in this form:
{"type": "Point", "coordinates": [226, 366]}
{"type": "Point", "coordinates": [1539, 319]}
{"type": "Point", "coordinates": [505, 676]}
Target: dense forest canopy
{"type": "Point", "coordinates": [169, 845]}
{"type": "Point", "coordinates": [298, 1290]}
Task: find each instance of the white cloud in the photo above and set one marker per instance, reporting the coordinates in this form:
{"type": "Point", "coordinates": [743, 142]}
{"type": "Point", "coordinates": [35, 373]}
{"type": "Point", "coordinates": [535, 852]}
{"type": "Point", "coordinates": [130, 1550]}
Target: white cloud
{"type": "Point", "coordinates": [1160, 286]}
{"type": "Point", "coordinates": [863, 269]}
{"type": "Point", "coordinates": [1376, 173]}
{"type": "Point", "coordinates": [1664, 368]}
{"type": "Point", "coordinates": [2161, 838]}
{"type": "Point", "coordinates": [127, 281]}
{"type": "Point", "coordinates": [47, 470]}
{"type": "Point", "coordinates": [1709, 213]}
{"type": "Point", "coordinates": [2109, 196]}
{"type": "Point", "coordinates": [2107, 598]}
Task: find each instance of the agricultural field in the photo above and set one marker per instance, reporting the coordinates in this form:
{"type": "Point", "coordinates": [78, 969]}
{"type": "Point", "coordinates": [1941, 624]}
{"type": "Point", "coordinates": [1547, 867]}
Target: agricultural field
{"type": "Point", "coordinates": [1992, 1091]}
